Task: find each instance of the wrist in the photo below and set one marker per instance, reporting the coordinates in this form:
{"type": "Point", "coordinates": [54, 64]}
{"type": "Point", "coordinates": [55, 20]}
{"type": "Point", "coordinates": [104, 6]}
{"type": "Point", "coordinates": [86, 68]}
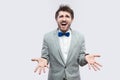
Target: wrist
{"type": "Point", "coordinates": [86, 54]}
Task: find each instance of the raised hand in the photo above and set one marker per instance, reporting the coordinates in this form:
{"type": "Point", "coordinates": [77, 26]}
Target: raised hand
{"type": "Point", "coordinates": [91, 61]}
{"type": "Point", "coordinates": [42, 64]}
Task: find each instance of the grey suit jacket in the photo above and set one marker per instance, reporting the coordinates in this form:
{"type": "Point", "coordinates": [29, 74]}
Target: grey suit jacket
{"type": "Point", "coordinates": [58, 68]}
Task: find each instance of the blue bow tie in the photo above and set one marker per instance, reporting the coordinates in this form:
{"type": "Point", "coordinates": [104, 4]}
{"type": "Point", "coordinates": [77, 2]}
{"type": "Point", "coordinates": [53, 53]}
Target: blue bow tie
{"type": "Point", "coordinates": [60, 34]}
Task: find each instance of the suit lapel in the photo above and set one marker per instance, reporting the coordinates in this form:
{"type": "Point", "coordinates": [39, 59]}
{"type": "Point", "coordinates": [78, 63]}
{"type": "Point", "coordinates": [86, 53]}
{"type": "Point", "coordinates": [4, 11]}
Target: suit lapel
{"type": "Point", "coordinates": [58, 46]}
{"type": "Point", "coordinates": [72, 45]}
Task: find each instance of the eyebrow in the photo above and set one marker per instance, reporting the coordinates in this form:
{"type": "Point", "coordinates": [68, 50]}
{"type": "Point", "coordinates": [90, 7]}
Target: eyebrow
{"type": "Point", "coordinates": [65, 15]}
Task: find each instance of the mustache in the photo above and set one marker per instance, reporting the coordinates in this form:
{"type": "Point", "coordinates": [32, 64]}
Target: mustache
{"type": "Point", "coordinates": [63, 21]}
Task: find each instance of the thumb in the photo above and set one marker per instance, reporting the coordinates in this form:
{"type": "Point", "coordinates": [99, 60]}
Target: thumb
{"type": "Point", "coordinates": [96, 55]}
{"type": "Point", "coordinates": [34, 59]}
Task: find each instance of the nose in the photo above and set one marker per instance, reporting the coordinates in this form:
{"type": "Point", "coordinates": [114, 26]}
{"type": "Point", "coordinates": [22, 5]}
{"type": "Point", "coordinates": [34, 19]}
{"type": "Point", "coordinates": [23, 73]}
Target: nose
{"type": "Point", "coordinates": [64, 18]}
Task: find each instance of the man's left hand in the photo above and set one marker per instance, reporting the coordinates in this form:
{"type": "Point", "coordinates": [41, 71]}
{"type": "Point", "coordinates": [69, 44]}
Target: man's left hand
{"type": "Point", "coordinates": [91, 61]}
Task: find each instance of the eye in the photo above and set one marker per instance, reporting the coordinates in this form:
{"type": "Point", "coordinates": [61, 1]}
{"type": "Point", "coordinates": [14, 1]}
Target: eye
{"type": "Point", "coordinates": [67, 16]}
{"type": "Point", "coordinates": [60, 16]}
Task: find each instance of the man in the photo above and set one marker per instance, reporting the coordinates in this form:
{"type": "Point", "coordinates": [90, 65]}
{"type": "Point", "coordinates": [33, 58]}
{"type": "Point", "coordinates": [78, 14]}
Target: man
{"type": "Point", "coordinates": [64, 50]}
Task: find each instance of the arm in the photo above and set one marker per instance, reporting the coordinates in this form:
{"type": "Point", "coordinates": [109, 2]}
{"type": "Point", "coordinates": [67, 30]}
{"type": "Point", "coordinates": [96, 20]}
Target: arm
{"type": "Point", "coordinates": [88, 58]}
{"type": "Point", "coordinates": [45, 52]}
{"type": "Point", "coordinates": [43, 61]}
{"type": "Point", "coordinates": [82, 61]}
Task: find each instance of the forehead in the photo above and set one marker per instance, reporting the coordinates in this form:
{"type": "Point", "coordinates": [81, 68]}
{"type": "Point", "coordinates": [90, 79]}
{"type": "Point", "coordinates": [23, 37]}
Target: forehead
{"type": "Point", "coordinates": [64, 13]}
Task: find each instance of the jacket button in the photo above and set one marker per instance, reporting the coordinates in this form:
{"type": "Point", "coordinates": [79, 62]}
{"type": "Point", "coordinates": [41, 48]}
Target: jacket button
{"type": "Point", "coordinates": [65, 66]}
{"type": "Point", "coordinates": [64, 79]}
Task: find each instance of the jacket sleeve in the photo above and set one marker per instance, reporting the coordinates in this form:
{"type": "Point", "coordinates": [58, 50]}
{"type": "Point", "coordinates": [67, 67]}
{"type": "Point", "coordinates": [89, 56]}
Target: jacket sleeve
{"type": "Point", "coordinates": [82, 55]}
{"type": "Point", "coordinates": [44, 51]}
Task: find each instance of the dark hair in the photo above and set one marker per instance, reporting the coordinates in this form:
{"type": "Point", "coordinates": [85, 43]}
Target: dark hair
{"type": "Point", "coordinates": [64, 8]}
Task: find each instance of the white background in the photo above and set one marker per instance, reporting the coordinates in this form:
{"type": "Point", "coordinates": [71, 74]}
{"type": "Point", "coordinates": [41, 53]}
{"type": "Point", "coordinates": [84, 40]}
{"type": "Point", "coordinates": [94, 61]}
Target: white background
{"type": "Point", "coordinates": [23, 24]}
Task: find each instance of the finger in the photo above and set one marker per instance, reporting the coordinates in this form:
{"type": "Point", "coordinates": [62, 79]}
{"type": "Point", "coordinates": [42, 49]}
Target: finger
{"type": "Point", "coordinates": [96, 55]}
{"type": "Point", "coordinates": [40, 69]}
{"type": "Point", "coordinates": [98, 64]}
{"type": "Point", "coordinates": [93, 67]}
{"type": "Point", "coordinates": [89, 66]}
{"type": "Point", "coordinates": [37, 60]}
{"type": "Point", "coordinates": [96, 67]}
{"type": "Point", "coordinates": [34, 59]}
{"type": "Point", "coordinates": [36, 68]}
{"type": "Point", "coordinates": [46, 65]}
{"type": "Point", "coordinates": [44, 69]}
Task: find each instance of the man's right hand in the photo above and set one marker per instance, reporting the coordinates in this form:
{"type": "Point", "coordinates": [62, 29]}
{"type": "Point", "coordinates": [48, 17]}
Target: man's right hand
{"type": "Point", "coordinates": [42, 64]}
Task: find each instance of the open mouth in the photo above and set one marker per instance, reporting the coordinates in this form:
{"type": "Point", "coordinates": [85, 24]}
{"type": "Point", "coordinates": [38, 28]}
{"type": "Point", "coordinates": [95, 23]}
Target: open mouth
{"type": "Point", "coordinates": [64, 23]}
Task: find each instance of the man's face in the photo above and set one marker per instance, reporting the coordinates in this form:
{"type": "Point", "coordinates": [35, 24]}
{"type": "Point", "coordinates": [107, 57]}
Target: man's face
{"type": "Point", "coordinates": [64, 20]}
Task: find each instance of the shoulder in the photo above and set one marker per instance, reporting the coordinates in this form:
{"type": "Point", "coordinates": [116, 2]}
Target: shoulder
{"type": "Point", "coordinates": [77, 33]}
{"type": "Point", "coordinates": [49, 34]}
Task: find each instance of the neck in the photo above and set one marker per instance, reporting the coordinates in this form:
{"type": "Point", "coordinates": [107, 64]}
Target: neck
{"type": "Point", "coordinates": [64, 31]}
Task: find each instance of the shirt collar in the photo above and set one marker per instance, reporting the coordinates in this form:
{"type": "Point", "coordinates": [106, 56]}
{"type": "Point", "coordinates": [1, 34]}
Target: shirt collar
{"type": "Point", "coordinates": [69, 30]}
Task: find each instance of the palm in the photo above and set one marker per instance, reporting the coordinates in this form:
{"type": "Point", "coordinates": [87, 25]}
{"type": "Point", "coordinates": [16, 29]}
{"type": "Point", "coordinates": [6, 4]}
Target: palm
{"type": "Point", "coordinates": [42, 63]}
{"type": "Point", "coordinates": [90, 59]}
{"type": "Point", "coordinates": [92, 63]}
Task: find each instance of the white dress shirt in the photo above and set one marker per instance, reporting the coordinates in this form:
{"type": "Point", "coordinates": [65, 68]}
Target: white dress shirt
{"type": "Point", "coordinates": [65, 45]}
